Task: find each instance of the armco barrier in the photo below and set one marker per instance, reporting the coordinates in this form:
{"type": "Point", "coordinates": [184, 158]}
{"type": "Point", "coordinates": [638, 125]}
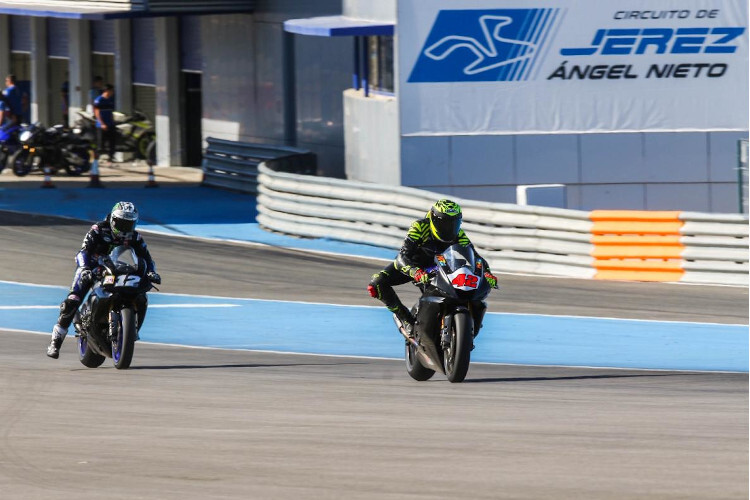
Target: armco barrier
{"type": "Point", "coordinates": [623, 245]}
{"type": "Point", "coordinates": [234, 165]}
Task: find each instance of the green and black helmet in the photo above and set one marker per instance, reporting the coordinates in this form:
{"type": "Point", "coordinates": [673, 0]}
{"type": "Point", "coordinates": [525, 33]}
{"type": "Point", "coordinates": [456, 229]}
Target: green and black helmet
{"type": "Point", "coordinates": [445, 220]}
{"type": "Point", "coordinates": [123, 218]}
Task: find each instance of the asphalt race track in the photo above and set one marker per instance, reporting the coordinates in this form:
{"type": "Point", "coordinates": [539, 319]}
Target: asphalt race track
{"type": "Point", "coordinates": [189, 423]}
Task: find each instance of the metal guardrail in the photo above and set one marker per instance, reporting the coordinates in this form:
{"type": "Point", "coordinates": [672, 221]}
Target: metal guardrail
{"type": "Point", "coordinates": [710, 248]}
{"type": "Point", "coordinates": [234, 165]}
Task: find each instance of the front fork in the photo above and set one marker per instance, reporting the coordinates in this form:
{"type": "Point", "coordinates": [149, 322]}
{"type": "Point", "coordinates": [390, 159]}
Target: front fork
{"type": "Point", "coordinates": [445, 330]}
{"type": "Point", "coordinates": [114, 324]}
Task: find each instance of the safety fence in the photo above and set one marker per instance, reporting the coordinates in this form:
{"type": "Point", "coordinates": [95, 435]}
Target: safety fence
{"type": "Point", "coordinates": [234, 165]}
{"type": "Point", "coordinates": [603, 244]}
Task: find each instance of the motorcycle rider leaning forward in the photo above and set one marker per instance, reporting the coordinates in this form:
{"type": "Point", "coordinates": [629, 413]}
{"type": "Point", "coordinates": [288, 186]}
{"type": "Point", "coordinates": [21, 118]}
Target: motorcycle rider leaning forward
{"type": "Point", "coordinates": [426, 238]}
{"type": "Point", "coordinates": [118, 228]}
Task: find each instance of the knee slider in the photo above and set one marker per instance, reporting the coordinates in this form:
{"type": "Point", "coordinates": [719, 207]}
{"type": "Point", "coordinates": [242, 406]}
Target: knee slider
{"type": "Point", "coordinates": [69, 306]}
{"type": "Point", "coordinates": [374, 291]}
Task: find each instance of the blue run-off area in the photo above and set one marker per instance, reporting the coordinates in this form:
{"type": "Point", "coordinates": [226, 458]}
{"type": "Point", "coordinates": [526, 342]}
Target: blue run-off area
{"type": "Point", "coordinates": [369, 331]}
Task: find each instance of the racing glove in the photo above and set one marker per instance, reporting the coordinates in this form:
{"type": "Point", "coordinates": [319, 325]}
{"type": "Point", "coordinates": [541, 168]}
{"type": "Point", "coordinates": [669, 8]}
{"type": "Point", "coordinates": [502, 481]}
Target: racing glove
{"type": "Point", "coordinates": [421, 276]}
{"type": "Point", "coordinates": [154, 277]}
{"type": "Point", "coordinates": [86, 277]}
{"type": "Point", "coordinates": [491, 279]}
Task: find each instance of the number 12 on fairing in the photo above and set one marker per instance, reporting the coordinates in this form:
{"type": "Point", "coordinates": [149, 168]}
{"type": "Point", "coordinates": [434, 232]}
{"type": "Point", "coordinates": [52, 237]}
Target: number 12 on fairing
{"type": "Point", "coordinates": [128, 280]}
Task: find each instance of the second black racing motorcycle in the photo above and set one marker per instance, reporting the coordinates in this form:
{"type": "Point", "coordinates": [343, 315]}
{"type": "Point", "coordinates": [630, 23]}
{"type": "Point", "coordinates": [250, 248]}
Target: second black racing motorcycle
{"type": "Point", "coordinates": [107, 323]}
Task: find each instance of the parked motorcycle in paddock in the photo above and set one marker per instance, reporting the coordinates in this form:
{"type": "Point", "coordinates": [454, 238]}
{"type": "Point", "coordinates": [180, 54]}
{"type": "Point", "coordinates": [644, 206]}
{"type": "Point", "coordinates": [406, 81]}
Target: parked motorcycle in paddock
{"type": "Point", "coordinates": [50, 148]}
{"type": "Point", "coordinates": [107, 323]}
{"type": "Point", "coordinates": [134, 133]}
{"type": "Point", "coordinates": [448, 316]}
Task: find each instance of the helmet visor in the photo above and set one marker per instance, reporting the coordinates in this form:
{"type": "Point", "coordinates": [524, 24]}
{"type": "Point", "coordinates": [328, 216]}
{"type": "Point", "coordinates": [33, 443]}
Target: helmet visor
{"type": "Point", "coordinates": [122, 225]}
{"type": "Point", "coordinates": [446, 227]}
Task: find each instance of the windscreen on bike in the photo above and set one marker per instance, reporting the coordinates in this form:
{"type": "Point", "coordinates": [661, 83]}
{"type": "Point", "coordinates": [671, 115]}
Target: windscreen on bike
{"type": "Point", "coordinates": [457, 256]}
{"type": "Point", "coordinates": [125, 255]}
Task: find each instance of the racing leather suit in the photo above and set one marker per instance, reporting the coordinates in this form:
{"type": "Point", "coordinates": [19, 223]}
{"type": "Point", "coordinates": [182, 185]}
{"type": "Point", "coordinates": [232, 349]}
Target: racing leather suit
{"type": "Point", "coordinates": [98, 242]}
{"type": "Point", "coordinates": [417, 253]}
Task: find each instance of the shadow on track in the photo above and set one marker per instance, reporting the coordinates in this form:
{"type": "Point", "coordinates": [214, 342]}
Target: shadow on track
{"type": "Point", "coordinates": [11, 218]}
{"type": "Point", "coordinates": [243, 365]}
{"type": "Point", "coordinates": [580, 377]}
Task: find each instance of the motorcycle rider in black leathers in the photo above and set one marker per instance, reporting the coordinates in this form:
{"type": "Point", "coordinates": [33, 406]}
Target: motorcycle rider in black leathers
{"type": "Point", "coordinates": [118, 228]}
{"type": "Point", "coordinates": [426, 238]}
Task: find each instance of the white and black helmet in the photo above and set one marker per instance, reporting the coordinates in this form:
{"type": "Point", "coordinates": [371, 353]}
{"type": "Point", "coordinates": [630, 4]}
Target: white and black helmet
{"type": "Point", "coordinates": [123, 219]}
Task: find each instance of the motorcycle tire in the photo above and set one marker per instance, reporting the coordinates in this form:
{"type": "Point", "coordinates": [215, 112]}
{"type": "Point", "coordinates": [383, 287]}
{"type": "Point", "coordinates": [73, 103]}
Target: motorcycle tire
{"type": "Point", "coordinates": [3, 160]}
{"type": "Point", "coordinates": [86, 355]}
{"type": "Point", "coordinates": [141, 146]}
{"type": "Point", "coordinates": [20, 162]}
{"type": "Point", "coordinates": [414, 367]}
{"type": "Point", "coordinates": [81, 168]}
{"type": "Point", "coordinates": [124, 345]}
{"type": "Point", "coordinates": [457, 356]}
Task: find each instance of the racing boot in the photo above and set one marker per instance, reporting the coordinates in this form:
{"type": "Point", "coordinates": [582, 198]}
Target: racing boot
{"type": "Point", "coordinates": [58, 335]}
{"type": "Point", "coordinates": [406, 318]}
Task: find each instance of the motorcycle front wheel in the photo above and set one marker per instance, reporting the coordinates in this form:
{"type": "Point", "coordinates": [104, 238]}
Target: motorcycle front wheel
{"type": "Point", "coordinates": [86, 355]}
{"type": "Point", "coordinates": [124, 344]}
{"type": "Point", "coordinates": [414, 368]}
{"type": "Point", "coordinates": [457, 355]}
{"type": "Point", "coordinates": [21, 162]}
{"type": "Point", "coordinates": [142, 146]}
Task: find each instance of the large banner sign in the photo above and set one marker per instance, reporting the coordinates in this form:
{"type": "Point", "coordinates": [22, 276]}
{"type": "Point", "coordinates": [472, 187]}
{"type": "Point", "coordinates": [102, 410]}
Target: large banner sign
{"type": "Point", "coordinates": [543, 66]}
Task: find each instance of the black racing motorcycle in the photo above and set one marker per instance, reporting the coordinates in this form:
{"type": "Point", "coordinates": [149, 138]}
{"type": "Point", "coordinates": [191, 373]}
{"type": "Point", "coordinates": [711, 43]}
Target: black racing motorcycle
{"type": "Point", "coordinates": [107, 323]}
{"type": "Point", "coordinates": [50, 149]}
{"type": "Point", "coordinates": [448, 316]}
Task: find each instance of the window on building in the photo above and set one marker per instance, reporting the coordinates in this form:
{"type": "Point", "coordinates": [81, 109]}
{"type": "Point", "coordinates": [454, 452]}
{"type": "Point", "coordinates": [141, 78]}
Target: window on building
{"type": "Point", "coordinates": [380, 67]}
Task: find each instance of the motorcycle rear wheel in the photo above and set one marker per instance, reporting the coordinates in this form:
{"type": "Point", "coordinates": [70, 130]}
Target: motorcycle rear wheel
{"type": "Point", "coordinates": [82, 168]}
{"type": "Point", "coordinates": [124, 345]}
{"type": "Point", "coordinates": [414, 368]}
{"type": "Point", "coordinates": [457, 356]}
{"type": "Point", "coordinates": [86, 355]}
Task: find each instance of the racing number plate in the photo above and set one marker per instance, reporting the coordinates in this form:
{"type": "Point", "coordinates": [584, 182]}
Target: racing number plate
{"type": "Point", "coordinates": [465, 281]}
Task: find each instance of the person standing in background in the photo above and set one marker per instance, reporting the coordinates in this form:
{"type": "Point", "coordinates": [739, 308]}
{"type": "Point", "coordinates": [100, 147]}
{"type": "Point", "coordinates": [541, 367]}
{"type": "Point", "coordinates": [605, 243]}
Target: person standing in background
{"type": "Point", "coordinates": [97, 86]}
{"type": "Point", "coordinates": [65, 102]}
{"type": "Point", "coordinates": [10, 107]}
{"type": "Point", "coordinates": [104, 107]}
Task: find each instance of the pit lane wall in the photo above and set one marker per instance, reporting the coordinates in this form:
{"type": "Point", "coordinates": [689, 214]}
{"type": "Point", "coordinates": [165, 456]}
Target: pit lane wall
{"type": "Point", "coordinates": [602, 244]}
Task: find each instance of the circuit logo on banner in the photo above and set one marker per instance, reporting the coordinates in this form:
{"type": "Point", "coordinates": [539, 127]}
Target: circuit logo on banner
{"type": "Point", "coordinates": [483, 45]}
{"type": "Point", "coordinates": [505, 45]}
{"type": "Point", "coordinates": [567, 66]}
